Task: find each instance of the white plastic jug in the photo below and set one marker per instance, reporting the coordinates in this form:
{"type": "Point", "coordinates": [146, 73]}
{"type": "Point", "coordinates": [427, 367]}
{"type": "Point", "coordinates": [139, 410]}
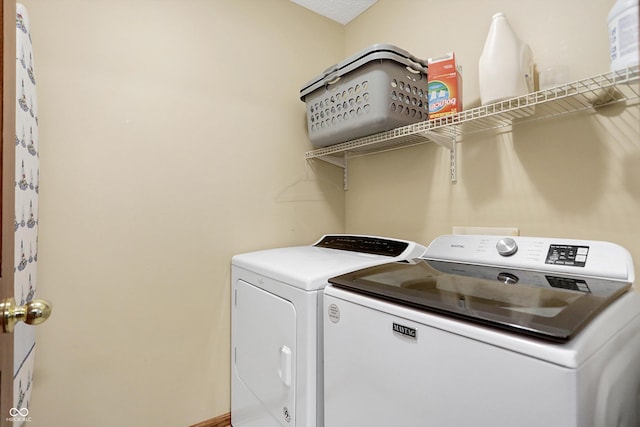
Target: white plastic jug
{"type": "Point", "coordinates": [623, 34]}
{"type": "Point", "coordinates": [506, 64]}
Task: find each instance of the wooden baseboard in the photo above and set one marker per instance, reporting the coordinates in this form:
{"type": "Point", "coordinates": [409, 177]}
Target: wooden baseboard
{"type": "Point", "coordinates": [219, 421]}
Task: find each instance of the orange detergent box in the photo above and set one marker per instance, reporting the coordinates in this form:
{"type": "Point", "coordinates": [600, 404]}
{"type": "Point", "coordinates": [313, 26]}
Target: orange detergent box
{"type": "Point", "coordinates": [445, 86]}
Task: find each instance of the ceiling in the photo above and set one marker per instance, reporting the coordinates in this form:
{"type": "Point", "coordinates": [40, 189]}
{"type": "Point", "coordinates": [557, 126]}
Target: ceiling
{"type": "Point", "coordinates": [341, 11]}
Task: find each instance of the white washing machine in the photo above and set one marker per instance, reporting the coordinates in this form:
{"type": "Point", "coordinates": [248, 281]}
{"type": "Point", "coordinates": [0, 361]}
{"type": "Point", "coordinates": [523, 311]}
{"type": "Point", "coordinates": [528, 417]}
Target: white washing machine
{"type": "Point", "coordinates": [276, 325]}
{"type": "Point", "coordinates": [486, 332]}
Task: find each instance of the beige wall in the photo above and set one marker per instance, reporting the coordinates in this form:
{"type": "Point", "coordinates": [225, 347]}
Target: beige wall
{"type": "Point", "coordinates": [577, 176]}
{"type": "Point", "coordinates": [172, 137]}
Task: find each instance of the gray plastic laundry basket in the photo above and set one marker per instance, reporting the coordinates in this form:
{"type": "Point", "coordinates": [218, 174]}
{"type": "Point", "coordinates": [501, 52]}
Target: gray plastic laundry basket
{"type": "Point", "coordinates": [378, 89]}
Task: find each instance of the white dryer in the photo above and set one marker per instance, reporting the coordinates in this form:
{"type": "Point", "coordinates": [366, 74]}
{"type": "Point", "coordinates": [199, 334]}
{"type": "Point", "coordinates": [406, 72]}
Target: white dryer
{"type": "Point", "coordinates": [276, 324]}
{"type": "Point", "coordinates": [486, 332]}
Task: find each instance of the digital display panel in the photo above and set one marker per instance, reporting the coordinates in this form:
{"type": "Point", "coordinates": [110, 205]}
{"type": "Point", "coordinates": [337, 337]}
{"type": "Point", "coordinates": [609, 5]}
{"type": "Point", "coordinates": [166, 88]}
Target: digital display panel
{"type": "Point", "coordinates": [567, 255]}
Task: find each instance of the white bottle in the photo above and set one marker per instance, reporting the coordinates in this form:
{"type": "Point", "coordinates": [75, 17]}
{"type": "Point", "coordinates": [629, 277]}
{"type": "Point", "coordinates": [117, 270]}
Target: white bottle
{"type": "Point", "coordinates": [506, 64]}
{"type": "Point", "coordinates": [623, 34]}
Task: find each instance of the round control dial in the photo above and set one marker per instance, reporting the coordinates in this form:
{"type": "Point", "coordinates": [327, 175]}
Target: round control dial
{"type": "Point", "coordinates": [507, 246]}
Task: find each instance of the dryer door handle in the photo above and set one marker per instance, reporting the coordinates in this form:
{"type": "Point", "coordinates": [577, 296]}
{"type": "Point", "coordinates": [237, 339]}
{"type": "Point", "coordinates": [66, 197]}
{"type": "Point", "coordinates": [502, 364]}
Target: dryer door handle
{"type": "Point", "coordinates": [285, 365]}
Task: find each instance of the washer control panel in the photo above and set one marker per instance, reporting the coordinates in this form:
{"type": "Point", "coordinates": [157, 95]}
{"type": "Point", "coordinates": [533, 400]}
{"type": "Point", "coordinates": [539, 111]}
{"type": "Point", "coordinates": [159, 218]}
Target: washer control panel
{"type": "Point", "coordinates": [570, 256]}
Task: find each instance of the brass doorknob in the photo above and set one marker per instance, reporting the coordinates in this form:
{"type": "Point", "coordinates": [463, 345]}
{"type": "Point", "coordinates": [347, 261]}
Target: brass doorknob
{"type": "Point", "coordinates": [33, 313]}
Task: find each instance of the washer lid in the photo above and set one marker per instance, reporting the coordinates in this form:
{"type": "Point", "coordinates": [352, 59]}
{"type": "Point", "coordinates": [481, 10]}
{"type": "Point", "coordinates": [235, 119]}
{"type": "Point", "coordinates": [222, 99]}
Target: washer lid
{"type": "Point", "coordinates": [545, 305]}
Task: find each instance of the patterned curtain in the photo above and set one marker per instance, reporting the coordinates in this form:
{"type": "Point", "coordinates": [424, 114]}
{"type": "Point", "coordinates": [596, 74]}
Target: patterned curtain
{"type": "Point", "coordinates": [26, 219]}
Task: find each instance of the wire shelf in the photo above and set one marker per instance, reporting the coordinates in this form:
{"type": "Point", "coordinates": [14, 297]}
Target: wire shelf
{"type": "Point", "coordinates": [585, 94]}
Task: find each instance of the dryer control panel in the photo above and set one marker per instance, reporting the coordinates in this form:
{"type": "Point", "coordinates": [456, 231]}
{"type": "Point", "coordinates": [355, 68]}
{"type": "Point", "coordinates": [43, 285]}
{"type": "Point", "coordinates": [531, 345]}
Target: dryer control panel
{"type": "Point", "coordinates": [364, 244]}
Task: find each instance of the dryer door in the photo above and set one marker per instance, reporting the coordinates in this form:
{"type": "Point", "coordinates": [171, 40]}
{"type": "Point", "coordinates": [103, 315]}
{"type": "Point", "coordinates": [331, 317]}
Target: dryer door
{"type": "Point", "coordinates": [264, 330]}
